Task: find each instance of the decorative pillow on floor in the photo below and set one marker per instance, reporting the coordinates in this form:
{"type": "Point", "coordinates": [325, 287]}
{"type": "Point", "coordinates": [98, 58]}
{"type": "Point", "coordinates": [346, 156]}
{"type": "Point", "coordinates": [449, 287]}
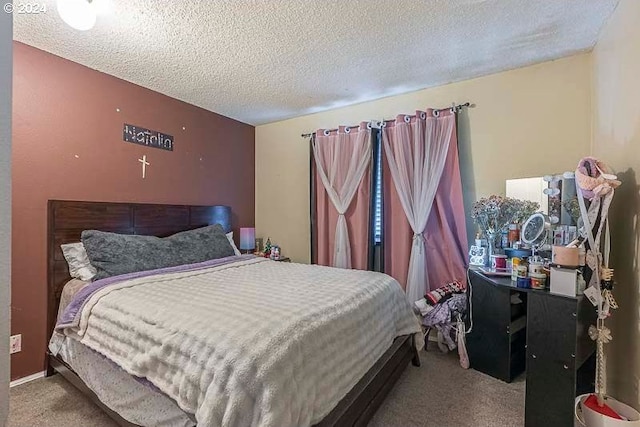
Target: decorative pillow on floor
{"type": "Point", "coordinates": [114, 254]}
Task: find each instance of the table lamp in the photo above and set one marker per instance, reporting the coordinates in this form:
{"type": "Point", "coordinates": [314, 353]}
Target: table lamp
{"type": "Point", "coordinates": [247, 239]}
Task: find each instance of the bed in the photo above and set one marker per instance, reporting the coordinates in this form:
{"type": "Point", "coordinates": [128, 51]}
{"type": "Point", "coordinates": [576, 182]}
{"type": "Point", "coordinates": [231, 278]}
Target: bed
{"type": "Point", "coordinates": [67, 219]}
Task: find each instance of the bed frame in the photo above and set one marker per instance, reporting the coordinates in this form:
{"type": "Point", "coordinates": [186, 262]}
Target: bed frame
{"type": "Point", "coordinates": [67, 220]}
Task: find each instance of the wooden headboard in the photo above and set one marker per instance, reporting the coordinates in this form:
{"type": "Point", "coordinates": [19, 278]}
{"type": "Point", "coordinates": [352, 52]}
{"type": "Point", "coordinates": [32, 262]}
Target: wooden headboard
{"type": "Point", "coordinates": [67, 220]}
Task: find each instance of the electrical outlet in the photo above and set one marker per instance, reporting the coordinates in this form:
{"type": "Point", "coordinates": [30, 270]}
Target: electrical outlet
{"type": "Point", "coordinates": [15, 344]}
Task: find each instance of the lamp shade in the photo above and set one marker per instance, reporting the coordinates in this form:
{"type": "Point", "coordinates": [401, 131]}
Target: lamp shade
{"type": "Point", "coordinates": [221, 214]}
{"type": "Point", "coordinates": [247, 238]}
{"type": "Point", "coordinates": [78, 14]}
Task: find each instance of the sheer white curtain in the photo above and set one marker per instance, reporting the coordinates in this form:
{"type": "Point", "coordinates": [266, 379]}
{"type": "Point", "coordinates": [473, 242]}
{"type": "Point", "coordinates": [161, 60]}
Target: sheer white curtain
{"type": "Point", "coordinates": [342, 158]}
{"type": "Point", "coordinates": [416, 150]}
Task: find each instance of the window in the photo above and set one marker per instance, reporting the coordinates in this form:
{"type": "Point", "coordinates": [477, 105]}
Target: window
{"type": "Point", "coordinates": [377, 188]}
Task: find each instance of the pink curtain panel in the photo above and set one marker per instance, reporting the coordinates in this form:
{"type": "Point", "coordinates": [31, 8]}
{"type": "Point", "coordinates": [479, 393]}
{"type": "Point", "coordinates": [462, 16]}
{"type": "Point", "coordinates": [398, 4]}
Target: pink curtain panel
{"type": "Point", "coordinates": [416, 144]}
{"type": "Point", "coordinates": [338, 156]}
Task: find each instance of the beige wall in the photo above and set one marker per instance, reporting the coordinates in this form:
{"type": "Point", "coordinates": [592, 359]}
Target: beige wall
{"type": "Point", "coordinates": [6, 33]}
{"type": "Point", "coordinates": [616, 140]}
{"type": "Point", "coordinates": [527, 122]}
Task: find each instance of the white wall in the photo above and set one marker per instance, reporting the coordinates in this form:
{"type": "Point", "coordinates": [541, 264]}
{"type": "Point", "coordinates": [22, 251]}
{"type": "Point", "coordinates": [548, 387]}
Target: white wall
{"type": "Point", "coordinates": [6, 71]}
{"type": "Point", "coordinates": [616, 140]}
{"type": "Point", "coordinates": [527, 122]}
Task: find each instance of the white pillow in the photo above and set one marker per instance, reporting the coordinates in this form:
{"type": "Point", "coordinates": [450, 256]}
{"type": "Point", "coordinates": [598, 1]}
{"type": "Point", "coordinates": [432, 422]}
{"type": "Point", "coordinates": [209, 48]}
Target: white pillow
{"type": "Point", "coordinates": [78, 260]}
{"type": "Point", "coordinates": [233, 245]}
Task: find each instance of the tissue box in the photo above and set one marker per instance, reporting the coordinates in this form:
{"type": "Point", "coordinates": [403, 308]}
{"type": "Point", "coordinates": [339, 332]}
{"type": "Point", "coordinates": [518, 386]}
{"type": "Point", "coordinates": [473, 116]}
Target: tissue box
{"type": "Point", "coordinates": [564, 281]}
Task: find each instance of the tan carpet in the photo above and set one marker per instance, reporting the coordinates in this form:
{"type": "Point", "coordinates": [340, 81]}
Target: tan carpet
{"type": "Point", "coordinates": [438, 394]}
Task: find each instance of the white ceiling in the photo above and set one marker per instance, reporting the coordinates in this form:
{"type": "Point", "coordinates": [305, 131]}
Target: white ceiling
{"type": "Point", "coordinates": [260, 61]}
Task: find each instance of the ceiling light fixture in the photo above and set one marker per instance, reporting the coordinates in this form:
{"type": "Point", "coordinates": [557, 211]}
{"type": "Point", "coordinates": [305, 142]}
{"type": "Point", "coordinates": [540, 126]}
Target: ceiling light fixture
{"type": "Point", "coordinates": [78, 14]}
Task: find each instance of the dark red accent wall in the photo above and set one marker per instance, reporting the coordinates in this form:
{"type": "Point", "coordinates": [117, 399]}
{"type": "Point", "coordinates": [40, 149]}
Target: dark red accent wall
{"type": "Point", "coordinates": [67, 144]}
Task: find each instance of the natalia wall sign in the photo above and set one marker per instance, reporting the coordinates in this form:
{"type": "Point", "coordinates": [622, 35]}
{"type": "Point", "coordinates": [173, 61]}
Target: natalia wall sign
{"type": "Point", "coordinates": [149, 138]}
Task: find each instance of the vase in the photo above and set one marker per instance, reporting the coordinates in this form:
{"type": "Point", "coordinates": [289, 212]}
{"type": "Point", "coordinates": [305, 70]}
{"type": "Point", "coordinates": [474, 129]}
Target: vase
{"type": "Point", "coordinates": [491, 245]}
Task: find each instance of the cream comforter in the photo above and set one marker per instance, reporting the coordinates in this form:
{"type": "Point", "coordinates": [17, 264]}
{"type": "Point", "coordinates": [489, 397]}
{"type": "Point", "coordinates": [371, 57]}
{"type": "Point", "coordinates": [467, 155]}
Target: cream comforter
{"type": "Point", "coordinates": [252, 342]}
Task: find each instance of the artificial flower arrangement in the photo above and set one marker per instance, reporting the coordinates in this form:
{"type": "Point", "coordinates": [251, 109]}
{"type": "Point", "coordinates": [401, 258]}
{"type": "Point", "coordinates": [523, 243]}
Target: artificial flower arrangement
{"type": "Point", "coordinates": [493, 214]}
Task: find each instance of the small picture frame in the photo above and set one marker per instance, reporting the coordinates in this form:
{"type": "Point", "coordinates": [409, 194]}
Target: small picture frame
{"type": "Point", "coordinates": [259, 244]}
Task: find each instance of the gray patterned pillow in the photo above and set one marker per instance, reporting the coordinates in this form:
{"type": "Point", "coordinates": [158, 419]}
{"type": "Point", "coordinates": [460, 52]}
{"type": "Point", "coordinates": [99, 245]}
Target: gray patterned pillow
{"type": "Point", "coordinates": [113, 254]}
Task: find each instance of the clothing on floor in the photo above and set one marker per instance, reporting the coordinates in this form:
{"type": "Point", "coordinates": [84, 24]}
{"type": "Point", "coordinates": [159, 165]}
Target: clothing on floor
{"type": "Point", "coordinates": [443, 317]}
{"type": "Point", "coordinates": [444, 292]}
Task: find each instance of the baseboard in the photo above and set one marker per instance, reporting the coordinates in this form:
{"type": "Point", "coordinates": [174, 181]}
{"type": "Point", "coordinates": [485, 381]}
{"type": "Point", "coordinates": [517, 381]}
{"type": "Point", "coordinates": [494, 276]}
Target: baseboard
{"type": "Point", "coordinates": [27, 379]}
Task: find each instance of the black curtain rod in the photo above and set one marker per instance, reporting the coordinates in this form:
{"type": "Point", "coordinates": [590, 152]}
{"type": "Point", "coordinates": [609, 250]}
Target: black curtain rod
{"type": "Point", "coordinates": [454, 109]}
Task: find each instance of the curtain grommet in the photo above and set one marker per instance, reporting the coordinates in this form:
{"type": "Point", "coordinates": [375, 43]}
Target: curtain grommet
{"type": "Point", "coordinates": [347, 130]}
{"type": "Point", "coordinates": [407, 119]}
{"type": "Point", "coordinates": [436, 113]}
{"type": "Point", "coordinates": [326, 132]}
{"type": "Point", "coordinates": [423, 115]}
{"type": "Point", "coordinates": [369, 125]}
{"type": "Point", "coordinates": [453, 110]}
{"type": "Point", "coordinates": [383, 124]}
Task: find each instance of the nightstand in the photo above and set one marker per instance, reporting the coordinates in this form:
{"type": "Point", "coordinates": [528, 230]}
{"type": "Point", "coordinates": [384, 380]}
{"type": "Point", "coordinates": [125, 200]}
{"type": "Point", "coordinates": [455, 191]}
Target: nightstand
{"type": "Point", "coordinates": [283, 259]}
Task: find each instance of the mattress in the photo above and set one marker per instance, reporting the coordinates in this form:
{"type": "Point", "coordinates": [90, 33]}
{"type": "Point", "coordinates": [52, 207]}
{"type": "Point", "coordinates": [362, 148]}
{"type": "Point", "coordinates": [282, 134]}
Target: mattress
{"type": "Point", "coordinates": [244, 341]}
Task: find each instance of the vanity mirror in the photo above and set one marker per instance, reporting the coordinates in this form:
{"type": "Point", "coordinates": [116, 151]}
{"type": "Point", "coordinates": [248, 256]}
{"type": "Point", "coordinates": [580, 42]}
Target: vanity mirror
{"type": "Point", "coordinates": [555, 193]}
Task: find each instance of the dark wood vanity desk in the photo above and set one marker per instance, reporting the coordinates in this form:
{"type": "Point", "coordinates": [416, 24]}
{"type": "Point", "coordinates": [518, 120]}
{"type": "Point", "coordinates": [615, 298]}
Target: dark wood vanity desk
{"type": "Point", "coordinates": [546, 335]}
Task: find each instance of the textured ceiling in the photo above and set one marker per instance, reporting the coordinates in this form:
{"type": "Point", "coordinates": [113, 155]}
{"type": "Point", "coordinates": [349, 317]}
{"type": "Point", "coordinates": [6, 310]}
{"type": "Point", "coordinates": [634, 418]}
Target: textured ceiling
{"type": "Point", "coordinates": [260, 61]}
